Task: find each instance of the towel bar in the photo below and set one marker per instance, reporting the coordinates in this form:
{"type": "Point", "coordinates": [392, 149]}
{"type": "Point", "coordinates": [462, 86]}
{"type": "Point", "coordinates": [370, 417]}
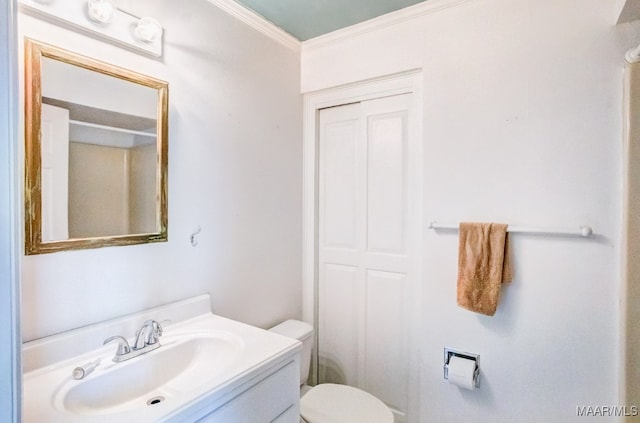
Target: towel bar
{"type": "Point", "coordinates": [582, 231]}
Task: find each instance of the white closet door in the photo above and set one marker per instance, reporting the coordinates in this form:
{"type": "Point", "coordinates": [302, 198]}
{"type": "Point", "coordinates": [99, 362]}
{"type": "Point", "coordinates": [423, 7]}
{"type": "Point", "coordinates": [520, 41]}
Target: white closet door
{"type": "Point", "coordinates": [368, 238]}
{"type": "Point", "coordinates": [55, 173]}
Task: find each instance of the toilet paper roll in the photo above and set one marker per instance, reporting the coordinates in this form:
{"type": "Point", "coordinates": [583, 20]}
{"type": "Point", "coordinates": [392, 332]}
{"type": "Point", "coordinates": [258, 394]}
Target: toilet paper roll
{"type": "Point", "coordinates": [460, 372]}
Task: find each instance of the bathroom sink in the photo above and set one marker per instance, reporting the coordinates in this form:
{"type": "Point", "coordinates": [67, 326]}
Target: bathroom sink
{"type": "Point", "coordinates": [204, 363]}
{"type": "Point", "coordinates": [171, 371]}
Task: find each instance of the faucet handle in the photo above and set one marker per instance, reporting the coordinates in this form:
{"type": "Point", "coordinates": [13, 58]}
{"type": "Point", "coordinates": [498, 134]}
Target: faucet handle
{"type": "Point", "coordinates": [155, 332]}
{"type": "Point", "coordinates": [123, 345]}
{"type": "Point", "coordinates": [160, 326]}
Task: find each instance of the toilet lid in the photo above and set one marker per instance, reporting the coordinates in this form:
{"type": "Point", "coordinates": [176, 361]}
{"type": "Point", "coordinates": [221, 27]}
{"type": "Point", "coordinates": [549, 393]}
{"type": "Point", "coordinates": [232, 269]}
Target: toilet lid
{"type": "Point", "coordinates": [333, 403]}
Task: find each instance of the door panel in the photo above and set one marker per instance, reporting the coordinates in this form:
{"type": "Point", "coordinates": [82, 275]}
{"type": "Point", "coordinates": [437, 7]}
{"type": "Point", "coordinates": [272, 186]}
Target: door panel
{"type": "Point", "coordinates": [386, 182]}
{"type": "Point", "coordinates": [366, 249]}
{"type": "Point", "coordinates": [339, 186]}
{"type": "Point", "coordinates": [385, 355]}
{"type": "Point", "coordinates": [338, 347]}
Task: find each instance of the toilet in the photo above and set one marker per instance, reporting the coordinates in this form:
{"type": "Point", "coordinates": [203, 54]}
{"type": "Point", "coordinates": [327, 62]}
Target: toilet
{"type": "Point", "coordinates": [329, 402]}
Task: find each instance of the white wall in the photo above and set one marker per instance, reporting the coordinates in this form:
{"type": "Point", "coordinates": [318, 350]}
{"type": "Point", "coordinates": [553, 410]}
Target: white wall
{"type": "Point", "coordinates": [522, 124]}
{"type": "Point", "coordinates": [10, 367]}
{"type": "Point", "coordinates": [234, 169]}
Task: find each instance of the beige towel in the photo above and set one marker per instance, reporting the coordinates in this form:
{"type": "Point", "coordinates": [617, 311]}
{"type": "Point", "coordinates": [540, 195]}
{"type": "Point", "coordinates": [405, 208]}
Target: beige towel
{"type": "Point", "coordinates": [484, 263]}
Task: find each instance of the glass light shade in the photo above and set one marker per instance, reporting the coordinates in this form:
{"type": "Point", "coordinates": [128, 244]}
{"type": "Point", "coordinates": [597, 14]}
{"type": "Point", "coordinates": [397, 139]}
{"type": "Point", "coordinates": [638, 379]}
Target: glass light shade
{"type": "Point", "coordinates": [148, 29]}
{"type": "Point", "coordinates": [101, 11]}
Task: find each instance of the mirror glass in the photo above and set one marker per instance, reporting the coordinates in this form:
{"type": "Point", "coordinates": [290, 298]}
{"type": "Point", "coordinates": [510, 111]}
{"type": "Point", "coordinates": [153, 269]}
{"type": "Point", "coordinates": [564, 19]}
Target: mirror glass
{"type": "Point", "coordinates": [96, 153]}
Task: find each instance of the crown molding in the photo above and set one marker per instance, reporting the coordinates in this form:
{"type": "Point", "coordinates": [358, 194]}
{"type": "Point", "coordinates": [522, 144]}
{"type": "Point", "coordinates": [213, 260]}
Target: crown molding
{"type": "Point", "coordinates": [392, 18]}
{"type": "Point", "coordinates": [258, 23]}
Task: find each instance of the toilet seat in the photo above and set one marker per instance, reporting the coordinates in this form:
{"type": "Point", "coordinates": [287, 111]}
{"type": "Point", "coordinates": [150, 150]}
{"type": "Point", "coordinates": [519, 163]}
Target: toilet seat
{"type": "Point", "coordinates": [334, 403]}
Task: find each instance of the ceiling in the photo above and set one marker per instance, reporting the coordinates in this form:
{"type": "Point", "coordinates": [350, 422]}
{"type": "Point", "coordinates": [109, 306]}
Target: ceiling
{"type": "Point", "coordinates": [305, 19]}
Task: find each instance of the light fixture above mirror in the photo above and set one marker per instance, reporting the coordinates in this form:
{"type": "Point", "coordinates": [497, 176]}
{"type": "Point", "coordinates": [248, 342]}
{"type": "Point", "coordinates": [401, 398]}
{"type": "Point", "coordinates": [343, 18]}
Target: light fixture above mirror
{"type": "Point", "coordinates": [103, 19]}
{"type": "Point", "coordinates": [101, 11]}
{"type": "Point", "coordinates": [148, 29]}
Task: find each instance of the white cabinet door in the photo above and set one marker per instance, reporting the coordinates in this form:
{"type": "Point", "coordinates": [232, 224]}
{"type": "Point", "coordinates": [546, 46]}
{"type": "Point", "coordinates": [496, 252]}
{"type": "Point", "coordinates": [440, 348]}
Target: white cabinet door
{"type": "Point", "coordinates": [369, 237]}
{"type": "Point", "coordinates": [276, 398]}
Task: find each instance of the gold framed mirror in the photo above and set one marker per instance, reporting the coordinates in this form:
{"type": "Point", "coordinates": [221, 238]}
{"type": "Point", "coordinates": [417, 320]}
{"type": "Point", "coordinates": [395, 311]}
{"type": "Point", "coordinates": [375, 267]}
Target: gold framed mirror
{"type": "Point", "coordinates": [96, 146]}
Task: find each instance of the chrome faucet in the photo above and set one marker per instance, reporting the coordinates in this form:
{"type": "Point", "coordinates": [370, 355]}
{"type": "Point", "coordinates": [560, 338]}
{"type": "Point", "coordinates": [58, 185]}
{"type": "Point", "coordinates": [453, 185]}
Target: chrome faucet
{"type": "Point", "coordinates": [147, 339]}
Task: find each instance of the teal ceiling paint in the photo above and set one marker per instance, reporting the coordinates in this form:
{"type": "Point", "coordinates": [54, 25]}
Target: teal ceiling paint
{"type": "Point", "coordinates": [305, 19]}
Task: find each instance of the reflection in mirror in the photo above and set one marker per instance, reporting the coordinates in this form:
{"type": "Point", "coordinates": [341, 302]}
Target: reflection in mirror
{"type": "Point", "coordinates": [104, 159]}
{"type": "Point", "coordinates": [96, 153]}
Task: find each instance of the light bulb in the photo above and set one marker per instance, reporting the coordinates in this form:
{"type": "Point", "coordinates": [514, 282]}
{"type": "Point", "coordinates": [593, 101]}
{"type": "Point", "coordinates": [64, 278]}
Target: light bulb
{"type": "Point", "coordinates": [148, 29]}
{"type": "Point", "coordinates": [101, 11]}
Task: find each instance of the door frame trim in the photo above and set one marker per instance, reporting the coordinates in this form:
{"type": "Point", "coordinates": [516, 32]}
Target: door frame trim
{"type": "Point", "coordinates": [629, 386]}
{"type": "Point", "coordinates": [407, 82]}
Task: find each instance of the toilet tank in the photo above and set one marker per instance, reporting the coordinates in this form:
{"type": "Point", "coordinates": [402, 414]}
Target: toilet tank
{"type": "Point", "coordinates": [302, 332]}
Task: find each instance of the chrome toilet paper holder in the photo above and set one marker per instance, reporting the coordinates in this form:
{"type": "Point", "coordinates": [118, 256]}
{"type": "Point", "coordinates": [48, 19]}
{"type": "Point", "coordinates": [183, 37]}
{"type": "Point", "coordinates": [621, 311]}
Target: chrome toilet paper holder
{"type": "Point", "coordinates": [450, 352]}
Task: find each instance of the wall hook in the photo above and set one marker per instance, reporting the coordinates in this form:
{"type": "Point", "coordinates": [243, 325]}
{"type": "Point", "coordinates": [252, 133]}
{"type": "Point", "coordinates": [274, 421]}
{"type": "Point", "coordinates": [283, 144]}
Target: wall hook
{"type": "Point", "coordinates": [194, 241]}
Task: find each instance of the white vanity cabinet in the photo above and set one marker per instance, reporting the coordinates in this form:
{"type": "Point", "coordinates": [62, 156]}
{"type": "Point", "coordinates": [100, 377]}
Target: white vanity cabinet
{"type": "Point", "coordinates": [270, 397]}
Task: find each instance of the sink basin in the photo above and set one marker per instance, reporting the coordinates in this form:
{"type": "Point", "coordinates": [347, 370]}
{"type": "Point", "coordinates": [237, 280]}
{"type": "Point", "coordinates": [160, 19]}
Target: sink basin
{"type": "Point", "coordinates": [170, 371]}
